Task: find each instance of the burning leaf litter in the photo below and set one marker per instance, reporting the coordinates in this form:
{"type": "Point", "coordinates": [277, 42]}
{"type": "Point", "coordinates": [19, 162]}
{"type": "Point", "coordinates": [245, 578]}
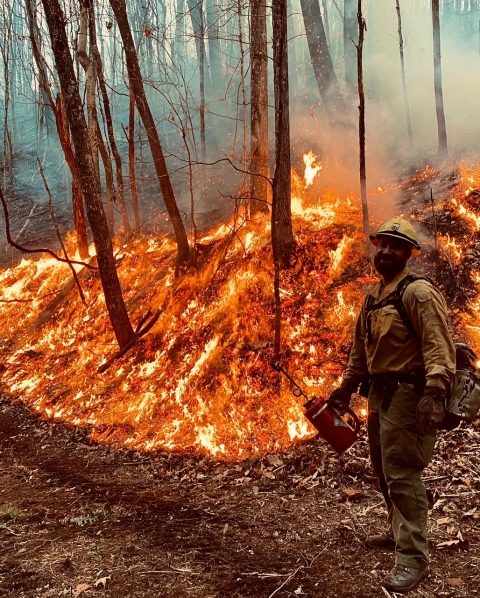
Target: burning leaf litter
{"type": "Point", "coordinates": [200, 381]}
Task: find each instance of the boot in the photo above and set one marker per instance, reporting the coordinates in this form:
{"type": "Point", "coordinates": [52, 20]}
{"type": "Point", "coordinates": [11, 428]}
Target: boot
{"type": "Point", "coordinates": [404, 579]}
{"type": "Point", "coordinates": [384, 541]}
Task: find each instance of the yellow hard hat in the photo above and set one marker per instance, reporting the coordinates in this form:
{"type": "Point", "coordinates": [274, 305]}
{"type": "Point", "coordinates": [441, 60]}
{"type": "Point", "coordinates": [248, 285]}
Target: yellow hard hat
{"type": "Point", "coordinates": [400, 229]}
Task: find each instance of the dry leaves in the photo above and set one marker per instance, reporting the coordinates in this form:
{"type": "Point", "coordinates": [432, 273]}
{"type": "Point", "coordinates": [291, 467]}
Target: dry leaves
{"type": "Point", "coordinates": [462, 544]}
{"type": "Point", "coordinates": [81, 588]}
{"type": "Point", "coordinates": [455, 581]}
{"type": "Point", "coordinates": [353, 494]}
{"type": "Point", "coordinates": [102, 581]}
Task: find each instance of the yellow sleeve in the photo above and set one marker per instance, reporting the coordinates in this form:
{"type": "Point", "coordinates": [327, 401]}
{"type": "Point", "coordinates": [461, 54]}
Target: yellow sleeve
{"type": "Point", "coordinates": [428, 312]}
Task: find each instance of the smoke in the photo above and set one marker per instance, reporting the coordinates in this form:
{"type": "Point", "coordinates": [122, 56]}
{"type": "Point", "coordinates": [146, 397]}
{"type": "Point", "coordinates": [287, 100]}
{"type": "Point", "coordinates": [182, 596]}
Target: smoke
{"type": "Point", "coordinates": [388, 154]}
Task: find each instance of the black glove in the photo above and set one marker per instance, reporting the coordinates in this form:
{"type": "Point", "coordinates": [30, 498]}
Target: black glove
{"type": "Point", "coordinates": [431, 410]}
{"type": "Point", "coordinates": [342, 396]}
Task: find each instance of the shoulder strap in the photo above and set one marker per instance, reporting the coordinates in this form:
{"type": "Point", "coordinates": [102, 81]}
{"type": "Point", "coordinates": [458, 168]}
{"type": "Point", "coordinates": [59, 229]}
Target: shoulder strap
{"type": "Point", "coordinates": [396, 299]}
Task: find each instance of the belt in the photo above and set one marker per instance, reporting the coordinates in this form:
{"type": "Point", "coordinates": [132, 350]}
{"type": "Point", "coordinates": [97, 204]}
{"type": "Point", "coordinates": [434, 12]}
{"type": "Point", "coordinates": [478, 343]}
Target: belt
{"type": "Point", "coordinates": [392, 380]}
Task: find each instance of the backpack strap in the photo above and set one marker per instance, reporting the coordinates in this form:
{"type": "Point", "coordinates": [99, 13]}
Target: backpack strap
{"type": "Point", "coordinates": [395, 298]}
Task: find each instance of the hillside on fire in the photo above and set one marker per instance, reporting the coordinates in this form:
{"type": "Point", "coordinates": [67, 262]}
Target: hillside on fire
{"type": "Point", "coordinates": [191, 194]}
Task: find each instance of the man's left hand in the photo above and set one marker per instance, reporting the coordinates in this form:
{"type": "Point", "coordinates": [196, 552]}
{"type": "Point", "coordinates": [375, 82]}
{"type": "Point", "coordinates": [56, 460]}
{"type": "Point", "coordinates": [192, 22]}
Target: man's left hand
{"type": "Point", "coordinates": [431, 410]}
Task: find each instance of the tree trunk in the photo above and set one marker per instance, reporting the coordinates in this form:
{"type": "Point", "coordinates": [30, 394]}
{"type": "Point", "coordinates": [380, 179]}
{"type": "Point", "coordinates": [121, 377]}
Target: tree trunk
{"type": "Point", "coordinates": [96, 138]}
{"type": "Point", "coordinates": [77, 193]}
{"type": "Point", "coordinates": [350, 40]}
{"type": "Point", "coordinates": [321, 60]}
{"type": "Point", "coordinates": [108, 118]}
{"type": "Point", "coordinates": [195, 8]}
{"type": "Point", "coordinates": [58, 111]}
{"type": "Point", "coordinates": [282, 233]}
{"type": "Point", "coordinates": [404, 78]}
{"type": "Point", "coordinates": [259, 184]}
{"type": "Point", "coordinates": [131, 160]}
{"type": "Point", "coordinates": [217, 72]}
{"type": "Point", "coordinates": [361, 123]}
{"type": "Point", "coordinates": [91, 188]}
{"type": "Point", "coordinates": [437, 66]}
{"type": "Point", "coordinates": [136, 83]}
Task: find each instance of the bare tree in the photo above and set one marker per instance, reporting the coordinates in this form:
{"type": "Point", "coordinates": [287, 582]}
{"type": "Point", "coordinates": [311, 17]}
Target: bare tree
{"type": "Point", "coordinates": [90, 184]}
{"type": "Point", "coordinates": [361, 122]}
{"type": "Point", "coordinates": [404, 78]}
{"type": "Point", "coordinates": [259, 185]}
{"type": "Point", "coordinates": [350, 39]}
{"type": "Point", "coordinates": [195, 8]}
{"type": "Point", "coordinates": [136, 83]}
{"type": "Point", "coordinates": [321, 60]}
{"type": "Point", "coordinates": [58, 109]}
{"type": "Point", "coordinates": [437, 66]}
{"type": "Point", "coordinates": [97, 61]}
{"type": "Point", "coordinates": [282, 232]}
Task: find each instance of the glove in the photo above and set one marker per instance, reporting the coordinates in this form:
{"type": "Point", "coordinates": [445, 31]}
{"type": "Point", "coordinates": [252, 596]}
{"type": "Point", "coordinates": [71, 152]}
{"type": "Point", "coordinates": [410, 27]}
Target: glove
{"type": "Point", "coordinates": [431, 410]}
{"type": "Point", "coordinates": [342, 396]}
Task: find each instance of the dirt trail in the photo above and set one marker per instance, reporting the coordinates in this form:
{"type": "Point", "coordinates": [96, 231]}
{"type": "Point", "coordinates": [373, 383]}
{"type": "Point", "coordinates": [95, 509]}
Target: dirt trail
{"type": "Point", "coordinates": [178, 525]}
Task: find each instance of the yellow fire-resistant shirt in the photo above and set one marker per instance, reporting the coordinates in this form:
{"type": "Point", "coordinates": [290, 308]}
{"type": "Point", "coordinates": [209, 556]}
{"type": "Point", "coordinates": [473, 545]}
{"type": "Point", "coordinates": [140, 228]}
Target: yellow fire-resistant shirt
{"type": "Point", "coordinates": [394, 349]}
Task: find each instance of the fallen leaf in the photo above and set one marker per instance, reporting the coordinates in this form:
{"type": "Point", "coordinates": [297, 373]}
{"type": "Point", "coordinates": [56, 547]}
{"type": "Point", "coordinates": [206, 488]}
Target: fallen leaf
{"type": "Point", "coordinates": [81, 588]}
{"type": "Point", "coordinates": [463, 544]}
{"type": "Point", "coordinates": [270, 475]}
{"type": "Point", "coordinates": [455, 581]}
{"type": "Point", "coordinates": [444, 521]}
{"type": "Point", "coordinates": [274, 460]}
{"type": "Point", "coordinates": [353, 494]}
{"type": "Point", "coordinates": [102, 581]}
{"type": "Point", "coordinates": [298, 591]}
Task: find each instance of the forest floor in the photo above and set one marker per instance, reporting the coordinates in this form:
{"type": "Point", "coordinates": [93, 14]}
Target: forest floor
{"type": "Point", "coordinates": [81, 519]}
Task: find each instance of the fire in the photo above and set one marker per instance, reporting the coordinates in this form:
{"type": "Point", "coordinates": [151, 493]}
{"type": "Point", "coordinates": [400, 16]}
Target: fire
{"type": "Point", "coordinates": [311, 168]}
{"type": "Point", "coordinates": [450, 244]}
{"type": "Point", "coordinates": [200, 379]}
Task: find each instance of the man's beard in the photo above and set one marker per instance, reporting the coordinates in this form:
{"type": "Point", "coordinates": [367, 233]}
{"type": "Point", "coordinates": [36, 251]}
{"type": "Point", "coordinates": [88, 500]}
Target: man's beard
{"type": "Point", "coordinates": [388, 266]}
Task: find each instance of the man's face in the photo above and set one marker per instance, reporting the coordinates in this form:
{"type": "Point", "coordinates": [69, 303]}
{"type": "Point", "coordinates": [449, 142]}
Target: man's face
{"type": "Point", "coordinates": [391, 255]}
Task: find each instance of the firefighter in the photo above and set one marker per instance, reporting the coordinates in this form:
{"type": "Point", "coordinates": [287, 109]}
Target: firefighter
{"type": "Point", "coordinates": [409, 361]}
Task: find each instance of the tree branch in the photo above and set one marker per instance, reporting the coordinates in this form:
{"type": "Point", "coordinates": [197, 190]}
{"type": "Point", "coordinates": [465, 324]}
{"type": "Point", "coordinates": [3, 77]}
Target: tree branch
{"type": "Point", "coordinates": [24, 249]}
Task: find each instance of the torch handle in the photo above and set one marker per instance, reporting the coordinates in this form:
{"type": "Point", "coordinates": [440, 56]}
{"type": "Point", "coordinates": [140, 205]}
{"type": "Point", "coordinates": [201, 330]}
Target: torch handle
{"type": "Point", "coordinates": [355, 418]}
{"type": "Point", "coordinates": [297, 391]}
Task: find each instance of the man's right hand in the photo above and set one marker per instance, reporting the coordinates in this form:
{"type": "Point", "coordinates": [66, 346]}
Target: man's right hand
{"type": "Point", "coordinates": [341, 396]}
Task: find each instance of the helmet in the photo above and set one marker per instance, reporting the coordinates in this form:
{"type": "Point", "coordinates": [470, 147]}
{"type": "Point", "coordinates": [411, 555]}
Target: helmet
{"type": "Point", "coordinates": [400, 229]}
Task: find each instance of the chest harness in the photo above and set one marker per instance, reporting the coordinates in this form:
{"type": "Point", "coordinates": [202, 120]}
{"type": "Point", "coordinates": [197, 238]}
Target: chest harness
{"type": "Point", "coordinates": [395, 298]}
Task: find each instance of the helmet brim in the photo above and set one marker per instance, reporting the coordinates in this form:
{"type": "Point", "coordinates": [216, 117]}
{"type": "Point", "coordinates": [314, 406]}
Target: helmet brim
{"type": "Point", "coordinates": [374, 238]}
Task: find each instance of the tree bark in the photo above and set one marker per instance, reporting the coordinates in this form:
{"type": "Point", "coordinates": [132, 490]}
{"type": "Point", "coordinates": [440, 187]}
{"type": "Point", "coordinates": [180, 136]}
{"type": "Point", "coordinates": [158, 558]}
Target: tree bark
{"type": "Point", "coordinates": [350, 40]}
{"type": "Point", "coordinates": [97, 144]}
{"type": "Point", "coordinates": [91, 188]}
{"type": "Point", "coordinates": [131, 160]}
{"type": "Point", "coordinates": [321, 60]}
{"type": "Point", "coordinates": [195, 8]}
{"type": "Point", "coordinates": [361, 123]}
{"type": "Point", "coordinates": [282, 233]}
{"type": "Point", "coordinates": [58, 111]}
{"type": "Point", "coordinates": [437, 66]}
{"type": "Point", "coordinates": [108, 117]}
{"type": "Point", "coordinates": [259, 185]}
{"type": "Point", "coordinates": [217, 72]}
{"type": "Point", "coordinates": [136, 83]}
{"type": "Point", "coordinates": [404, 78]}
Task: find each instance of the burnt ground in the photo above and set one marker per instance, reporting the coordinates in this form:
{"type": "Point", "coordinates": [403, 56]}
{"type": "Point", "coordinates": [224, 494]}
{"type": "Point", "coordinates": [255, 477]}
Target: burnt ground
{"type": "Point", "coordinates": [79, 519]}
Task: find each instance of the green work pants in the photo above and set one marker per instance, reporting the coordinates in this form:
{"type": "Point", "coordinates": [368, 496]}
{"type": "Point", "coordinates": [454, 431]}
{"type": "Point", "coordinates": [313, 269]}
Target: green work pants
{"type": "Point", "coordinates": [399, 453]}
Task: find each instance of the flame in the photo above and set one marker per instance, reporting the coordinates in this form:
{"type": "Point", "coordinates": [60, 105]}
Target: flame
{"type": "Point", "coordinates": [311, 168]}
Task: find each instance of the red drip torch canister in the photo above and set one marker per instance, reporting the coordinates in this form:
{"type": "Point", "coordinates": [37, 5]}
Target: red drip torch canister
{"type": "Point", "coordinates": [339, 434]}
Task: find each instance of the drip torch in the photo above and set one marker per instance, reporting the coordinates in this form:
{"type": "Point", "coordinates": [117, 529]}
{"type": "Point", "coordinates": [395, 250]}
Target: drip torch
{"type": "Point", "coordinates": [339, 434]}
